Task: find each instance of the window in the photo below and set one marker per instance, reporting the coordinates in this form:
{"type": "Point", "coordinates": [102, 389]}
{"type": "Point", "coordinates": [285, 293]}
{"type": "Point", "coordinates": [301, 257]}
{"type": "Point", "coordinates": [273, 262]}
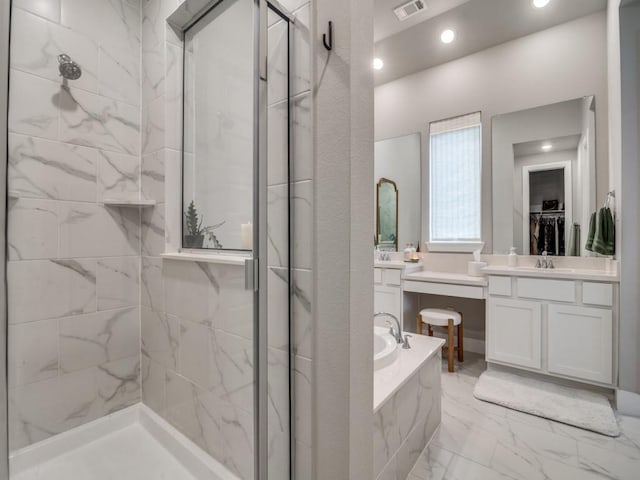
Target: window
{"type": "Point", "coordinates": [455, 177]}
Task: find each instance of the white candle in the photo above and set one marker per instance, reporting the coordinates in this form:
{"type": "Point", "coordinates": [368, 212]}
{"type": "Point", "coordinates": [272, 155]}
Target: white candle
{"type": "Point", "coordinates": [246, 236]}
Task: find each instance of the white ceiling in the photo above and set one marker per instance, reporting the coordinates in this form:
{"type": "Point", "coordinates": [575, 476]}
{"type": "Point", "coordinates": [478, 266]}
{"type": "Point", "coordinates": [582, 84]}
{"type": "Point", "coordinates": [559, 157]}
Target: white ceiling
{"type": "Point", "coordinates": [479, 24]}
{"type": "Point", "coordinates": [385, 23]}
{"type": "Point", "coordinates": [558, 144]}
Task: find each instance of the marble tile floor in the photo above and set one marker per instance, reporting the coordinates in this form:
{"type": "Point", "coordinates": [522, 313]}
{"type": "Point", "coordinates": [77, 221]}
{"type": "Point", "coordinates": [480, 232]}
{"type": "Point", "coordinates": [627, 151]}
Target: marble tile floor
{"type": "Point", "coordinates": [127, 454]}
{"type": "Point", "coordinates": [483, 441]}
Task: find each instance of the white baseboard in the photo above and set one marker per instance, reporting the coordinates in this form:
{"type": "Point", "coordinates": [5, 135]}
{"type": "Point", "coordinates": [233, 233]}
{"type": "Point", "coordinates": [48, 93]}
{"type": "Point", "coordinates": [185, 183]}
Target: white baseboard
{"type": "Point", "coordinates": [628, 403]}
{"type": "Point", "coordinates": [200, 464]}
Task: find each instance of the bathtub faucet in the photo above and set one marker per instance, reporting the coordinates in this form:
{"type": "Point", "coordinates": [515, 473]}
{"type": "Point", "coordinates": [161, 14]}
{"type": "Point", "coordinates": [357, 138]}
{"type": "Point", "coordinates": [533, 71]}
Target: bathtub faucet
{"type": "Point", "coordinates": [396, 332]}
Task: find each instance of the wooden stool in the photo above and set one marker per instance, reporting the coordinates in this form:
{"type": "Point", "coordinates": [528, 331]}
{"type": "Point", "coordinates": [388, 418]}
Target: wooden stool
{"type": "Point", "coordinates": [436, 317]}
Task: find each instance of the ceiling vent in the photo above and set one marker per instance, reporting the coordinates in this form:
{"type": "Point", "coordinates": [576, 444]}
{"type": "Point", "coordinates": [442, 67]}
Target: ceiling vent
{"type": "Point", "coordinates": [409, 9]}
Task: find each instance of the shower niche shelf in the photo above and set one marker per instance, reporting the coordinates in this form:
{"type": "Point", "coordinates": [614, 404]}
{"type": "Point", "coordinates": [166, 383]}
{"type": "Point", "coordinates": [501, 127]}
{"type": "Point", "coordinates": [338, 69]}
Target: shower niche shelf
{"type": "Point", "coordinates": [142, 203]}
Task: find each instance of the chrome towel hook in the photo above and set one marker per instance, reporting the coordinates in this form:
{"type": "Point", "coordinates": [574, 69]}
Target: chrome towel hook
{"type": "Point", "coordinates": [328, 44]}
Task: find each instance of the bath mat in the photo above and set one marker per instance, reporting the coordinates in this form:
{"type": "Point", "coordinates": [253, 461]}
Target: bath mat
{"type": "Point", "coordinates": [580, 408]}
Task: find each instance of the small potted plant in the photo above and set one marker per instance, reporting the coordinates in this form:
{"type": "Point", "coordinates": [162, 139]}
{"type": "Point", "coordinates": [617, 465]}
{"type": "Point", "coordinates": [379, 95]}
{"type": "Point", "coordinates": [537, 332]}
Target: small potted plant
{"type": "Point", "coordinates": [194, 235]}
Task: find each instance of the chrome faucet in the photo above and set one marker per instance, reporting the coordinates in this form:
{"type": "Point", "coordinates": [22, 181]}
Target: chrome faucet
{"type": "Point", "coordinates": [545, 262]}
{"type": "Point", "coordinates": [397, 331]}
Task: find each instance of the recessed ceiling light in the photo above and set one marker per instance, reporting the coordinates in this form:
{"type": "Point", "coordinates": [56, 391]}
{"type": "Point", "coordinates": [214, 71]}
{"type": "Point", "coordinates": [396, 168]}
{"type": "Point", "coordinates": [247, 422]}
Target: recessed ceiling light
{"type": "Point", "coordinates": [447, 36]}
{"type": "Point", "coordinates": [378, 63]}
{"type": "Point", "coordinates": [546, 147]}
{"type": "Point", "coordinates": [540, 3]}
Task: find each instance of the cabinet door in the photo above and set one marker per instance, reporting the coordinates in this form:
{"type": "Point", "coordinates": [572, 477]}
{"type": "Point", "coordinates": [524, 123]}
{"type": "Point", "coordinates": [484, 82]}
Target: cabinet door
{"type": "Point", "coordinates": [389, 300]}
{"type": "Point", "coordinates": [514, 332]}
{"type": "Point", "coordinates": [581, 342]}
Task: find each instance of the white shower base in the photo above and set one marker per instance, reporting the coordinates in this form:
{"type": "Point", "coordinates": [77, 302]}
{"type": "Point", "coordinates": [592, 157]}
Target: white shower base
{"type": "Point", "coordinates": [133, 444]}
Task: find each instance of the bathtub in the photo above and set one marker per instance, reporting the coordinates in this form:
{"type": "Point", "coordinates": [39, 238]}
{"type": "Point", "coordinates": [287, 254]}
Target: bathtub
{"type": "Point", "coordinates": [406, 401]}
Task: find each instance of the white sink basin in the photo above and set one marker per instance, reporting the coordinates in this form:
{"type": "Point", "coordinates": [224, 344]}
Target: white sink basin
{"type": "Point", "coordinates": [385, 348]}
{"type": "Point", "coordinates": [545, 270]}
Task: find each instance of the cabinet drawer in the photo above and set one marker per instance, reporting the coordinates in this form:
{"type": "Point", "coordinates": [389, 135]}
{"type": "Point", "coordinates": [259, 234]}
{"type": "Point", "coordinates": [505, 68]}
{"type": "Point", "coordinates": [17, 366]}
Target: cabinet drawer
{"type": "Point", "coordinates": [547, 289]}
{"type": "Point", "coordinates": [391, 277]}
{"type": "Point", "coordinates": [500, 286]}
{"type": "Point", "coordinates": [597, 294]}
{"type": "Point", "coordinates": [377, 275]}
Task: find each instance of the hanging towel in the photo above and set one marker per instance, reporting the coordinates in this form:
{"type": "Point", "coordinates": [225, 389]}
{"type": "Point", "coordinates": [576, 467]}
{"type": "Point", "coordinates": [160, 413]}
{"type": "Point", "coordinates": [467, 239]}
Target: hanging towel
{"type": "Point", "coordinates": [574, 241]}
{"type": "Point", "coordinates": [604, 239]}
{"type": "Point", "coordinates": [592, 232]}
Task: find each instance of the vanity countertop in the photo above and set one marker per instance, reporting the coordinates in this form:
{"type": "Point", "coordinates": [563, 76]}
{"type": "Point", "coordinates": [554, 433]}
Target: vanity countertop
{"type": "Point", "coordinates": [446, 277]}
{"type": "Point", "coordinates": [397, 264]}
{"type": "Point", "coordinates": [556, 273]}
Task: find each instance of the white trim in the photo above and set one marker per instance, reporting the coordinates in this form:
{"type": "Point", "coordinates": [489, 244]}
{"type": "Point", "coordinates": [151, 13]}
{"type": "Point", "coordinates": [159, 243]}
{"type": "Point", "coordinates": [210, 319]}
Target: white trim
{"type": "Point", "coordinates": [466, 247]}
{"type": "Point", "coordinates": [628, 403]}
{"type": "Point", "coordinates": [220, 258]}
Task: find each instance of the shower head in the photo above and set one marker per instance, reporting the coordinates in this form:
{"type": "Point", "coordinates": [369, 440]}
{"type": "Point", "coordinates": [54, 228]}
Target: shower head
{"type": "Point", "coordinates": [68, 68]}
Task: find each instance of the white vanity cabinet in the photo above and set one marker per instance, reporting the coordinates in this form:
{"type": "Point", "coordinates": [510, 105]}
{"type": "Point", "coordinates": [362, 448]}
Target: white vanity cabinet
{"type": "Point", "coordinates": [387, 291]}
{"type": "Point", "coordinates": [560, 327]}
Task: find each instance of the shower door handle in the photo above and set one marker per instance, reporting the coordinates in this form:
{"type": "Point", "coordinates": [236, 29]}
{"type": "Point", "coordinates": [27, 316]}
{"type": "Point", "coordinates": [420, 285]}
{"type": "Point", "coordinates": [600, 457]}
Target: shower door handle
{"type": "Point", "coordinates": [251, 274]}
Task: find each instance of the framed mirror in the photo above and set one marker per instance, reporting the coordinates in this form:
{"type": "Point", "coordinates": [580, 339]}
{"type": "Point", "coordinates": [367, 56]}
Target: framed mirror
{"type": "Point", "coordinates": [387, 215]}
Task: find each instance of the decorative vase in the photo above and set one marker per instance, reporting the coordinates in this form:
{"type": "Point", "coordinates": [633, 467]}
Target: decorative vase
{"type": "Point", "coordinates": [193, 241]}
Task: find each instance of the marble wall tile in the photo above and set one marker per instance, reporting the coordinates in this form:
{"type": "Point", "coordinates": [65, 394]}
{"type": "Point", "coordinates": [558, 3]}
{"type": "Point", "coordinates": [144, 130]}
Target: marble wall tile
{"type": "Point", "coordinates": [154, 14]}
{"type": "Point", "coordinates": [153, 388]}
{"type": "Point", "coordinates": [62, 287]}
{"type": "Point", "coordinates": [106, 21]}
{"type": "Point", "coordinates": [46, 169]}
{"type": "Point", "coordinates": [232, 368]}
{"type": "Point", "coordinates": [119, 73]}
{"type": "Point", "coordinates": [97, 338]}
{"type": "Point", "coordinates": [160, 337]}
{"type": "Point", "coordinates": [118, 176]}
{"type": "Point", "coordinates": [277, 143]}
{"type": "Point", "coordinates": [278, 392]}
{"type": "Point", "coordinates": [173, 97]}
{"type": "Point", "coordinates": [303, 371]}
{"type": "Point", "coordinates": [36, 44]}
{"type": "Point", "coordinates": [196, 354]}
{"type": "Point", "coordinates": [278, 46]}
{"type": "Point", "coordinates": [118, 279]}
{"type": "Point", "coordinates": [152, 284]}
{"type": "Point", "coordinates": [181, 408]}
{"type": "Point", "coordinates": [302, 138]}
{"type": "Point", "coordinates": [118, 384]}
{"type": "Point", "coordinates": [303, 461]}
{"type": "Point", "coordinates": [28, 364]}
{"type": "Point", "coordinates": [277, 231]}
{"type": "Point", "coordinates": [90, 230]}
{"type": "Point", "coordinates": [32, 231]}
{"type": "Point", "coordinates": [153, 125]}
{"type": "Point", "coordinates": [386, 435]}
{"type": "Point", "coordinates": [303, 312]}
{"type": "Point", "coordinates": [237, 431]}
{"type": "Point", "coordinates": [96, 121]}
{"type": "Point", "coordinates": [173, 199]}
{"type": "Point", "coordinates": [302, 205]}
{"type": "Point", "coordinates": [153, 177]}
{"type": "Point", "coordinates": [302, 50]}
{"type": "Point", "coordinates": [278, 308]}
{"type": "Point", "coordinates": [49, 9]}
{"type": "Point", "coordinates": [153, 230]}
{"type": "Point", "coordinates": [33, 105]}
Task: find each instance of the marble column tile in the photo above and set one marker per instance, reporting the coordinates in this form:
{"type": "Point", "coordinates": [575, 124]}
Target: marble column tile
{"type": "Point", "coordinates": [386, 435]}
{"type": "Point", "coordinates": [98, 338]}
{"type": "Point", "coordinates": [303, 312]}
{"type": "Point", "coordinates": [32, 231]}
{"type": "Point", "coordinates": [154, 14]}
{"type": "Point", "coordinates": [160, 337]}
{"type": "Point", "coordinates": [96, 121]}
{"type": "Point", "coordinates": [90, 230]}
{"type": "Point", "coordinates": [119, 73]}
{"type": "Point", "coordinates": [303, 461]}
{"type": "Point", "coordinates": [118, 384]}
{"type": "Point", "coordinates": [173, 199]}
{"type": "Point", "coordinates": [303, 384]}
{"type": "Point", "coordinates": [302, 50]}
{"type": "Point", "coordinates": [278, 308]}
{"type": "Point", "coordinates": [113, 21]}
{"type": "Point", "coordinates": [46, 169]}
{"type": "Point", "coordinates": [278, 49]}
{"type": "Point", "coordinates": [277, 143]}
{"type": "Point", "coordinates": [33, 105]}
{"type": "Point", "coordinates": [152, 284]}
{"type": "Point", "coordinates": [62, 288]}
{"type": "Point", "coordinates": [153, 176]}
{"type": "Point", "coordinates": [153, 125]}
{"type": "Point", "coordinates": [118, 282]}
{"type": "Point", "coordinates": [153, 389]}
{"type": "Point", "coordinates": [173, 97]}
{"type": "Point", "coordinates": [36, 44]}
{"type": "Point", "coordinates": [302, 137]}
{"type": "Point", "coordinates": [182, 406]}
{"type": "Point", "coordinates": [303, 224]}
{"type": "Point", "coordinates": [412, 448]}
{"type": "Point", "coordinates": [278, 391]}
{"type": "Point", "coordinates": [49, 9]}
{"type": "Point", "coordinates": [277, 226]}
{"type": "Point", "coordinates": [118, 176]}
{"type": "Point", "coordinates": [278, 454]}
{"type": "Point", "coordinates": [153, 230]}
{"type": "Point", "coordinates": [33, 352]}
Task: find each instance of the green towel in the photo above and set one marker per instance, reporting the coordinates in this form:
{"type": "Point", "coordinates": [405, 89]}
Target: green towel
{"type": "Point", "coordinates": [592, 232]}
{"type": "Point", "coordinates": [604, 239]}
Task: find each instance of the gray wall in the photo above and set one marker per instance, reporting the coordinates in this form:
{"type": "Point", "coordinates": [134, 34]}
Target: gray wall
{"type": "Point", "coordinates": [629, 366]}
{"type": "Point", "coordinates": [561, 63]}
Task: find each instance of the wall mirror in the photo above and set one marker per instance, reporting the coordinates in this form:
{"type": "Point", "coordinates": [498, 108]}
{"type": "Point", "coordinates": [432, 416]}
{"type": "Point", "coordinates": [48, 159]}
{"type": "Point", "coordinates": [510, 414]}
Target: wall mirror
{"type": "Point", "coordinates": [398, 160]}
{"type": "Point", "coordinates": [544, 178]}
{"type": "Point", "coordinates": [387, 210]}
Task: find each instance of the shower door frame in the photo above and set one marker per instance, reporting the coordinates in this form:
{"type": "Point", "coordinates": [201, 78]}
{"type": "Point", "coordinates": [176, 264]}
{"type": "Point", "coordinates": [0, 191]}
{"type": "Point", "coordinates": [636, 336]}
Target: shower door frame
{"type": "Point", "coordinates": [5, 23]}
